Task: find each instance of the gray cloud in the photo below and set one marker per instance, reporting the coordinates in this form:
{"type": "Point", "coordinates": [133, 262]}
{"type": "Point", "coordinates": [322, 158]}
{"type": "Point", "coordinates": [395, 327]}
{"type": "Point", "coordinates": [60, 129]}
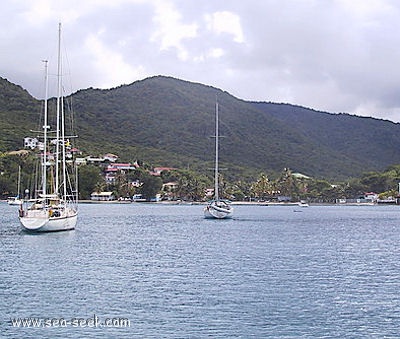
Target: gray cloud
{"type": "Point", "coordinates": [334, 55]}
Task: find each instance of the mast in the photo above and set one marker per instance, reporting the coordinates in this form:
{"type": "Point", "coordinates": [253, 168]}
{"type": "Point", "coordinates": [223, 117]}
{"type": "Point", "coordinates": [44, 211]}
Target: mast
{"type": "Point", "coordinates": [45, 127]}
{"type": "Point", "coordinates": [216, 195]}
{"type": "Point", "coordinates": [19, 182]}
{"type": "Point", "coordinates": [63, 146]}
{"type": "Point", "coordinates": [56, 191]}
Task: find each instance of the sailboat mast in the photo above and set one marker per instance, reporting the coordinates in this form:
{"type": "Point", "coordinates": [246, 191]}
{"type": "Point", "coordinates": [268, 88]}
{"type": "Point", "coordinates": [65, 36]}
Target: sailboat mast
{"type": "Point", "coordinates": [58, 110]}
{"type": "Point", "coordinates": [45, 127]}
{"type": "Point", "coordinates": [64, 164]}
{"type": "Point", "coordinates": [19, 182]}
{"type": "Point", "coordinates": [216, 195]}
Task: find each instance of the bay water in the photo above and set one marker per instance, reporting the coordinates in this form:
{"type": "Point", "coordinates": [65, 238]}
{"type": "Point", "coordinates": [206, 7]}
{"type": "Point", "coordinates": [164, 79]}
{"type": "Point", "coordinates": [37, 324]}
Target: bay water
{"type": "Point", "coordinates": [163, 271]}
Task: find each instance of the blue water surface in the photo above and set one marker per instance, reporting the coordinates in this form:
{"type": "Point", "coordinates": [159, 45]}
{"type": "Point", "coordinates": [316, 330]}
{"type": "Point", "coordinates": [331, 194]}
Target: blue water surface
{"type": "Point", "coordinates": [269, 272]}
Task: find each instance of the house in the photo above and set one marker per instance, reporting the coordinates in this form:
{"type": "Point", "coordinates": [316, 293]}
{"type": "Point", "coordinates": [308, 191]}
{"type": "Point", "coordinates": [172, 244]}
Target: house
{"type": "Point", "coordinates": [80, 161]}
{"type": "Point", "coordinates": [31, 143]}
{"type": "Point", "coordinates": [121, 166]}
{"type": "Point", "coordinates": [110, 157]}
{"type": "Point", "coordinates": [102, 196]}
{"type": "Point", "coordinates": [371, 196]}
{"type": "Point", "coordinates": [158, 170]}
{"type": "Point", "coordinates": [112, 169]}
{"type": "Point", "coordinates": [93, 160]}
{"type": "Point", "coordinates": [75, 150]}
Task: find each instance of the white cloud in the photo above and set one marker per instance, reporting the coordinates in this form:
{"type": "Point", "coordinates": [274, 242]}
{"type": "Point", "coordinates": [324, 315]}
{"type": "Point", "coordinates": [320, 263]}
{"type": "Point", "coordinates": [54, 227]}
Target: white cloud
{"type": "Point", "coordinates": [110, 64]}
{"type": "Point", "coordinates": [38, 12]}
{"type": "Point", "coordinates": [364, 9]}
{"type": "Point", "coordinates": [225, 22]}
{"type": "Point", "coordinates": [170, 31]}
{"type": "Point", "coordinates": [216, 53]}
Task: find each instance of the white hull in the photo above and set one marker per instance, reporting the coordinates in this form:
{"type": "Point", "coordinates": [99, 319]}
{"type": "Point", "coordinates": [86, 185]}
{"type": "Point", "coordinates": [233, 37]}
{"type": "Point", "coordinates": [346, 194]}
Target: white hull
{"type": "Point", "coordinates": [216, 211]}
{"type": "Point", "coordinates": [14, 202]}
{"type": "Point", "coordinates": [41, 221]}
{"type": "Point", "coordinates": [303, 205]}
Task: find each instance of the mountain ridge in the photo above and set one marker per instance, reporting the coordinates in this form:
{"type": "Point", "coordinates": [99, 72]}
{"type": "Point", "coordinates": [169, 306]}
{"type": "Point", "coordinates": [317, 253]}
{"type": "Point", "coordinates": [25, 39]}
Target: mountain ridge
{"type": "Point", "coordinates": [167, 121]}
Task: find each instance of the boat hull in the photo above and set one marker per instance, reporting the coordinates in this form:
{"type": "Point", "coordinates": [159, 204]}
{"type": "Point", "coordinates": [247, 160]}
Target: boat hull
{"type": "Point", "coordinates": [15, 202]}
{"type": "Point", "coordinates": [41, 221]}
{"type": "Point", "coordinates": [218, 211]}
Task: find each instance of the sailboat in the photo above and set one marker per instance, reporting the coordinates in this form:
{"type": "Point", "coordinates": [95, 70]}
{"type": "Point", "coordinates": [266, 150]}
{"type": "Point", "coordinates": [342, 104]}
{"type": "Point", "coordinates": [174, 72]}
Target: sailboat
{"type": "Point", "coordinates": [54, 205]}
{"type": "Point", "coordinates": [16, 200]}
{"type": "Point", "coordinates": [217, 208]}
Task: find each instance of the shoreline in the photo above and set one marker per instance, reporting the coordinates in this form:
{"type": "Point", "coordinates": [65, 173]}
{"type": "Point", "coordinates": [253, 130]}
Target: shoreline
{"type": "Point", "coordinates": [235, 203]}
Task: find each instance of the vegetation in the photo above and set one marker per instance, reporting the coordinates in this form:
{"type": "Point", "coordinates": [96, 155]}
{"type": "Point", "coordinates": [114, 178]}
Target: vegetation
{"type": "Point", "coordinates": [162, 121]}
{"type": "Point", "coordinates": [190, 185]}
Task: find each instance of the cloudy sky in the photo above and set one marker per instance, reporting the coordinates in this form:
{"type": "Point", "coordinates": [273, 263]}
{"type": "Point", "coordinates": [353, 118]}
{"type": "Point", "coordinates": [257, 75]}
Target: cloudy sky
{"type": "Point", "coordinates": [329, 55]}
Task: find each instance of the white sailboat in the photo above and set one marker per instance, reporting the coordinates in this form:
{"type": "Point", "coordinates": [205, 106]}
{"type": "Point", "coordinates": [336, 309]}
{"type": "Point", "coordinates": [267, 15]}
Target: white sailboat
{"type": "Point", "coordinates": [217, 208]}
{"type": "Point", "coordinates": [54, 207]}
{"type": "Point", "coordinates": [14, 201]}
{"type": "Point", "coordinates": [17, 199]}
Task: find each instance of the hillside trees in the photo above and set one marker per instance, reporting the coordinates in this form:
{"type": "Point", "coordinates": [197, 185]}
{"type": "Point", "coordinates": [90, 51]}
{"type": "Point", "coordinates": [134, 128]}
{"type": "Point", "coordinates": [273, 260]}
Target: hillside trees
{"type": "Point", "coordinates": [150, 185]}
{"type": "Point", "coordinates": [262, 188]}
{"type": "Point", "coordinates": [90, 180]}
{"type": "Point", "coordinates": [9, 168]}
{"type": "Point", "coordinates": [166, 120]}
{"type": "Point", "coordinates": [191, 185]}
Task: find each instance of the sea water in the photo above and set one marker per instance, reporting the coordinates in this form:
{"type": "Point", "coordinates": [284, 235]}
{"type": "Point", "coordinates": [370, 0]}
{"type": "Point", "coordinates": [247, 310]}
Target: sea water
{"type": "Point", "coordinates": [163, 271]}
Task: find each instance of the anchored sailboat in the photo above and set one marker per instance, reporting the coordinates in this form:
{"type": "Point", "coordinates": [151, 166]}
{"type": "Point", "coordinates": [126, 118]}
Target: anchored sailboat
{"type": "Point", "coordinates": [217, 208]}
{"type": "Point", "coordinates": [54, 206]}
{"type": "Point", "coordinates": [17, 199]}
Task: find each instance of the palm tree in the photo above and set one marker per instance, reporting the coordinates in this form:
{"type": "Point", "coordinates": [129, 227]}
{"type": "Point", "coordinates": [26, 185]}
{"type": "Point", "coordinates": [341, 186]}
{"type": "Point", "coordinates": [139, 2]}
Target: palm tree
{"type": "Point", "coordinates": [286, 183]}
{"type": "Point", "coordinates": [262, 187]}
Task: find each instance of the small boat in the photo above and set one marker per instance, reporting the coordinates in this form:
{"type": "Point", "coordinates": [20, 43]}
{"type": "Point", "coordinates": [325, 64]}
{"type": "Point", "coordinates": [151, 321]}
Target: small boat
{"type": "Point", "coordinates": [303, 203]}
{"type": "Point", "coordinates": [16, 201]}
{"type": "Point", "coordinates": [217, 208]}
{"type": "Point", "coordinates": [54, 206]}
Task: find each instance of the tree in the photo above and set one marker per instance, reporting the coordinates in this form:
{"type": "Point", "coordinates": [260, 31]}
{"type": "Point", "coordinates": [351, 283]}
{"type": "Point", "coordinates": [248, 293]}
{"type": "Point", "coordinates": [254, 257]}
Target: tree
{"type": "Point", "coordinates": [375, 182]}
{"type": "Point", "coordinates": [191, 186]}
{"type": "Point", "coordinates": [151, 185]}
{"type": "Point", "coordinates": [90, 180]}
{"type": "Point", "coordinates": [122, 186]}
{"type": "Point", "coordinates": [322, 191]}
{"type": "Point", "coordinates": [262, 187]}
{"type": "Point", "coordinates": [5, 187]}
{"type": "Point", "coordinates": [286, 183]}
{"type": "Point", "coordinates": [235, 191]}
{"type": "Point", "coordinates": [353, 188]}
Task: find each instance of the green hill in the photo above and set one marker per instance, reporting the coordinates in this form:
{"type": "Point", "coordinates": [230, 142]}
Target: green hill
{"type": "Point", "coordinates": [166, 121]}
{"type": "Point", "coordinates": [19, 112]}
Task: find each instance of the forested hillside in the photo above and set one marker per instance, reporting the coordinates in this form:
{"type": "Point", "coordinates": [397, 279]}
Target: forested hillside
{"type": "Point", "coordinates": [19, 112]}
{"type": "Point", "coordinates": [168, 122]}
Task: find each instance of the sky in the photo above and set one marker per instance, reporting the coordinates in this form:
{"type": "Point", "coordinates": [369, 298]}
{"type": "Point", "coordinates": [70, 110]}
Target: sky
{"type": "Point", "coordinates": [337, 56]}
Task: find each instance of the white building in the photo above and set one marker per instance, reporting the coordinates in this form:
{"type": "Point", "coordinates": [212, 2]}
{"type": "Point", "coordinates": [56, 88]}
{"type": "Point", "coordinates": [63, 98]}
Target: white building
{"type": "Point", "coordinates": [102, 196]}
{"type": "Point", "coordinates": [31, 143]}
